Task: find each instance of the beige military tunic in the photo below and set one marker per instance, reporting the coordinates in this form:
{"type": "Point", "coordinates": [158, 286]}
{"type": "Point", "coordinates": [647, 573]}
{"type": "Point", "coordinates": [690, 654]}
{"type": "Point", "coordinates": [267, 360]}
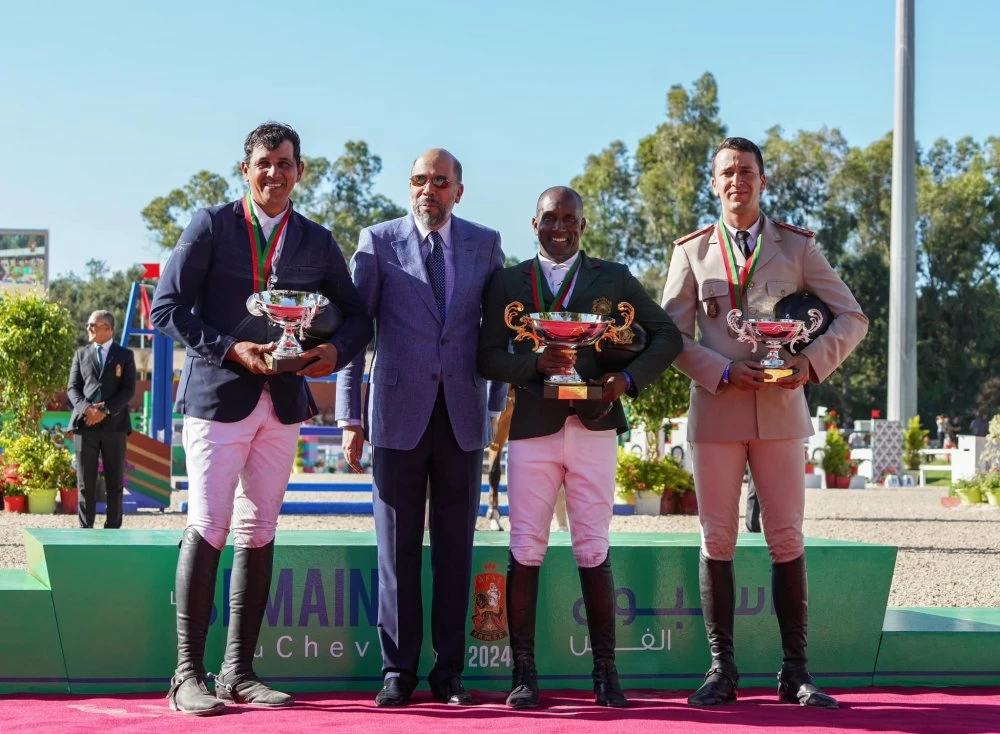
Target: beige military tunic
{"type": "Point", "coordinates": [729, 427]}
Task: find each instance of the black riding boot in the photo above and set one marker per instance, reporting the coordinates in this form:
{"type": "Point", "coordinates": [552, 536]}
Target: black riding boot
{"type": "Point", "coordinates": [248, 588]}
{"type": "Point", "coordinates": [598, 587]}
{"type": "Point", "coordinates": [194, 593]}
{"type": "Point", "coordinates": [718, 592]}
{"type": "Point", "coordinates": [789, 589]}
{"type": "Point", "coordinates": [522, 600]}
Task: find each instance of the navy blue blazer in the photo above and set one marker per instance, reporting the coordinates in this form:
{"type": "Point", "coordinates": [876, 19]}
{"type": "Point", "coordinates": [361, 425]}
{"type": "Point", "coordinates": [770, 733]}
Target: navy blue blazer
{"type": "Point", "coordinates": [201, 298]}
{"type": "Point", "coordinates": [116, 383]}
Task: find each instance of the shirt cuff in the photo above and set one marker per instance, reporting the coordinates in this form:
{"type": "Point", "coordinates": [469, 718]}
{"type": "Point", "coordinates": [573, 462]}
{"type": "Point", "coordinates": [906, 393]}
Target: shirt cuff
{"type": "Point", "coordinates": [496, 414]}
{"type": "Point", "coordinates": [348, 422]}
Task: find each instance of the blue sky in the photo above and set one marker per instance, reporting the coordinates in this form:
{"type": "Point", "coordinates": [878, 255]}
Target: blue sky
{"type": "Point", "coordinates": [106, 105]}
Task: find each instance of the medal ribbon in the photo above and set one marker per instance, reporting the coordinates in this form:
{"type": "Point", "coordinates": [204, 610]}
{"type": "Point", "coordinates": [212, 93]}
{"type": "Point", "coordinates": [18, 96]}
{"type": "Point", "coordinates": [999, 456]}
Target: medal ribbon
{"type": "Point", "coordinates": [737, 284]}
{"type": "Point", "coordinates": [262, 254]}
{"type": "Point", "coordinates": [536, 287]}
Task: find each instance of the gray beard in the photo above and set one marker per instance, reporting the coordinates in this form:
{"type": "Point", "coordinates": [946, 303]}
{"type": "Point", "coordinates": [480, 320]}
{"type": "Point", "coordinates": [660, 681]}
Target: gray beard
{"type": "Point", "coordinates": [430, 220]}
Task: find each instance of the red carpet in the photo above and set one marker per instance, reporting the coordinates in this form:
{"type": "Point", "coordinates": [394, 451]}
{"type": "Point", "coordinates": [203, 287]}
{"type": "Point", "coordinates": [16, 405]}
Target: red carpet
{"type": "Point", "coordinates": [904, 710]}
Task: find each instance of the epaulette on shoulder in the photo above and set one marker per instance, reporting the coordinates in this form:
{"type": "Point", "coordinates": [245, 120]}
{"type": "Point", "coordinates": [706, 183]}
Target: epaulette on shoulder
{"type": "Point", "coordinates": [688, 237]}
{"type": "Point", "coordinates": [793, 228]}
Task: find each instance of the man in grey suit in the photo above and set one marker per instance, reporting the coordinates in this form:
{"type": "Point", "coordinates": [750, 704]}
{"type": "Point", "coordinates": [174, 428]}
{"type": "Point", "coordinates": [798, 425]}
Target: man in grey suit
{"type": "Point", "coordinates": [422, 278]}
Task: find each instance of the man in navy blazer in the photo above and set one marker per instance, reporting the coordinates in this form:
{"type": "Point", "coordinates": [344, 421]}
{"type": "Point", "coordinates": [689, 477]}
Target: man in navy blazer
{"type": "Point", "coordinates": [422, 277]}
{"type": "Point", "coordinates": [241, 421]}
{"type": "Point", "coordinates": [101, 384]}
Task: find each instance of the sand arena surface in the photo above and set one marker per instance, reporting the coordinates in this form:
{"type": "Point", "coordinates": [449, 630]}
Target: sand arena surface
{"type": "Point", "coordinates": [948, 557]}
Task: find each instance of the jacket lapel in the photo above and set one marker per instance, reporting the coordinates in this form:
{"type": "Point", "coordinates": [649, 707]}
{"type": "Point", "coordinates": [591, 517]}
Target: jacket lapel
{"type": "Point", "coordinates": [769, 242]}
{"type": "Point", "coordinates": [585, 277]}
{"type": "Point", "coordinates": [407, 248]}
{"type": "Point", "coordinates": [293, 238]}
{"type": "Point", "coordinates": [464, 262]}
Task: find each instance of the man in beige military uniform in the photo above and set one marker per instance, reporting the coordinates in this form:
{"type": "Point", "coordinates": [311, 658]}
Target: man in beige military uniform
{"type": "Point", "coordinates": [736, 417]}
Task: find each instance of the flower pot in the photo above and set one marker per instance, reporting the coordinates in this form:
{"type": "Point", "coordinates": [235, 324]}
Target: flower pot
{"type": "Point", "coordinates": [843, 482]}
{"type": "Point", "coordinates": [854, 469]}
{"type": "Point", "coordinates": [993, 497]}
{"type": "Point", "coordinates": [688, 503]}
{"type": "Point", "coordinates": [831, 481]}
{"type": "Point", "coordinates": [971, 496]}
{"type": "Point", "coordinates": [15, 504]}
{"type": "Point", "coordinates": [647, 503]}
{"type": "Point", "coordinates": [668, 503]}
{"type": "Point", "coordinates": [810, 469]}
{"type": "Point", "coordinates": [42, 501]}
{"type": "Point", "coordinates": [69, 500]}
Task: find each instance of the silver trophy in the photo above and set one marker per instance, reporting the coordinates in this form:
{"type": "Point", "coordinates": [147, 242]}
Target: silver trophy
{"type": "Point", "coordinates": [775, 333]}
{"type": "Point", "coordinates": [290, 310]}
{"type": "Point", "coordinates": [569, 330]}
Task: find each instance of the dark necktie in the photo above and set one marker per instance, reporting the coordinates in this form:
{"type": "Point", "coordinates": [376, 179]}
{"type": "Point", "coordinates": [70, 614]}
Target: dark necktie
{"type": "Point", "coordinates": [100, 369]}
{"type": "Point", "coordinates": [435, 270]}
{"type": "Point", "coordinates": [743, 238]}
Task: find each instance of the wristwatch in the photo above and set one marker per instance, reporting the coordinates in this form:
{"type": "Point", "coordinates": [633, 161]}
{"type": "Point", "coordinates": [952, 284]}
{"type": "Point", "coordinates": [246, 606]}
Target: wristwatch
{"type": "Point", "coordinates": [725, 373]}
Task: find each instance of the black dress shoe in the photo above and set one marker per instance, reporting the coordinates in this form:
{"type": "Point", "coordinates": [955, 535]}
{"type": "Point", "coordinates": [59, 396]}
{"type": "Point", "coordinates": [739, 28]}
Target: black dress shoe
{"type": "Point", "coordinates": [798, 688]}
{"type": "Point", "coordinates": [394, 693]}
{"type": "Point", "coordinates": [719, 688]}
{"type": "Point", "coordinates": [451, 692]}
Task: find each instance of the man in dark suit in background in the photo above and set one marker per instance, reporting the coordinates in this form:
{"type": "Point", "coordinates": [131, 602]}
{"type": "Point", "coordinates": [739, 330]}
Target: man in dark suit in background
{"type": "Point", "coordinates": [241, 420]}
{"type": "Point", "coordinates": [555, 442]}
{"type": "Point", "coordinates": [101, 384]}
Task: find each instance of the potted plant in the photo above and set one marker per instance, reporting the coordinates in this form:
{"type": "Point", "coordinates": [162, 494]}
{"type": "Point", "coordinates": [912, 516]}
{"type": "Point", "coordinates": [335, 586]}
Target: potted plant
{"type": "Point", "coordinates": [41, 466]}
{"type": "Point", "coordinates": [989, 486]}
{"type": "Point", "coordinates": [836, 461]}
{"type": "Point", "coordinates": [640, 482]}
{"type": "Point", "coordinates": [69, 493]}
{"type": "Point", "coordinates": [914, 438]}
{"type": "Point", "coordinates": [14, 499]}
{"type": "Point", "coordinates": [969, 491]}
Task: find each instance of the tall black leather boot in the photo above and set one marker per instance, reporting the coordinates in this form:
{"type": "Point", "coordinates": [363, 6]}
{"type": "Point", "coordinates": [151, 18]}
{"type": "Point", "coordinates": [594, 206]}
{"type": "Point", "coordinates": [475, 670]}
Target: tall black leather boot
{"type": "Point", "coordinates": [522, 601]}
{"type": "Point", "coordinates": [718, 605]}
{"type": "Point", "coordinates": [789, 589]}
{"type": "Point", "coordinates": [598, 586]}
{"type": "Point", "coordinates": [194, 593]}
{"type": "Point", "coordinates": [248, 588]}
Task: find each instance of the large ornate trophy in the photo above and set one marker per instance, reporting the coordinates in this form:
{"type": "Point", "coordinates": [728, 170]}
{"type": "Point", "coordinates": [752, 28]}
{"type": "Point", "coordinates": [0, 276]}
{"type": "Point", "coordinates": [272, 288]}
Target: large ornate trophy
{"type": "Point", "coordinates": [569, 330]}
{"type": "Point", "coordinates": [290, 310]}
{"type": "Point", "coordinates": [775, 333]}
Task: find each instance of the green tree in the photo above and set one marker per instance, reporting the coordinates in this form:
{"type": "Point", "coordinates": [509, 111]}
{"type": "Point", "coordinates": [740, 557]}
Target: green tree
{"type": "Point", "coordinates": [615, 227]}
{"type": "Point", "coordinates": [674, 166]}
{"type": "Point", "coordinates": [339, 195]}
{"type": "Point", "coordinates": [98, 291]}
{"type": "Point", "coordinates": [166, 216]}
{"type": "Point", "coordinates": [36, 346]}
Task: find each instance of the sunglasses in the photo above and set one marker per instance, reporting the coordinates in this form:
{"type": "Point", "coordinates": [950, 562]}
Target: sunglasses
{"type": "Point", "coordinates": [94, 324]}
{"type": "Point", "coordinates": [438, 182]}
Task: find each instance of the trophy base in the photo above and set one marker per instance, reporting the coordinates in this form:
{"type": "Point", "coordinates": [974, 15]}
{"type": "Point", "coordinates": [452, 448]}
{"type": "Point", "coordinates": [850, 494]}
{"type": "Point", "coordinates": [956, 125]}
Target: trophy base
{"type": "Point", "coordinates": [580, 391]}
{"type": "Point", "coordinates": [773, 374]}
{"type": "Point", "coordinates": [293, 363]}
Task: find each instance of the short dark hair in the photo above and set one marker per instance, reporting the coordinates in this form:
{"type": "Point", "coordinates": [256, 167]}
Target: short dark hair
{"type": "Point", "coordinates": [743, 145]}
{"type": "Point", "coordinates": [272, 134]}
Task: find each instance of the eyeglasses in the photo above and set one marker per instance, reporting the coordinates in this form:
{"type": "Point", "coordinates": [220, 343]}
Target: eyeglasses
{"type": "Point", "coordinates": [438, 182]}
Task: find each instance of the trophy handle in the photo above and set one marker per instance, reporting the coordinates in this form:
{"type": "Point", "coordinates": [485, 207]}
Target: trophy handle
{"type": "Point", "coordinates": [514, 319]}
{"type": "Point", "coordinates": [739, 327]}
{"type": "Point", "coordinates": [619, 334]}
{"type": "Point", "coordinates": [807, 331]}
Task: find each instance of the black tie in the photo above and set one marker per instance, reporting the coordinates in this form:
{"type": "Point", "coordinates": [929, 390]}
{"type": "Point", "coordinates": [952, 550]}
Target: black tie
{"type": "Point", "coordinates": [435, 270]}
{"type": "Point", "coordinates": [743, 237]}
